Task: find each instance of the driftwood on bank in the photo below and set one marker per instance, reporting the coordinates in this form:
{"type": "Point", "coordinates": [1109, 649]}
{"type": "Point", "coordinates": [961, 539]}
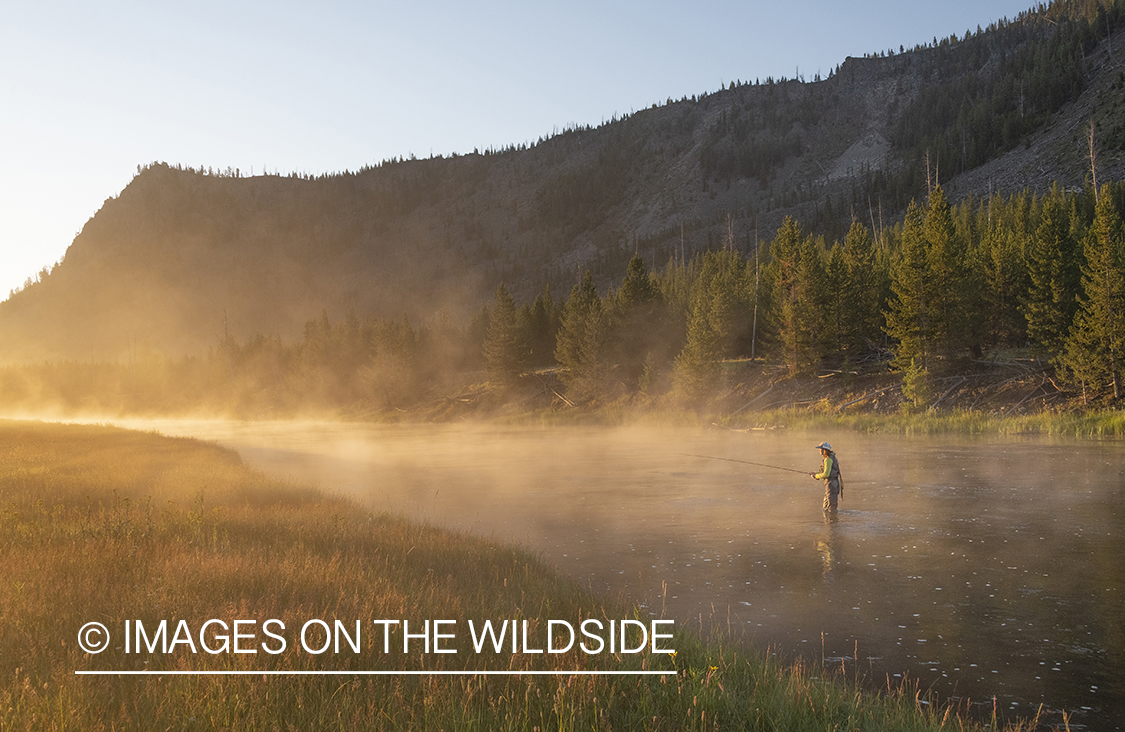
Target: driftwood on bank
{"type": "Point", "coordinates": [867, 396]}
{"type": "Point", "coordinates": [1041, 388]}
{"type": "Point", "coordinates": [996, 386]}
{"type": "Point", "coordinates": [548, 388]}
{"type": "Point", "coordinates": [747, 404]}
{"type": "Point", "coordinates": [961, 381]}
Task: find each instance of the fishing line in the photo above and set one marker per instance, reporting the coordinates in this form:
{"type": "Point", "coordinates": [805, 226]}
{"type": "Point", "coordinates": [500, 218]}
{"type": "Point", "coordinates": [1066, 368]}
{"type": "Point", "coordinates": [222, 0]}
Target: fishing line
{"type": "Point", "coordinates": [747, 462]}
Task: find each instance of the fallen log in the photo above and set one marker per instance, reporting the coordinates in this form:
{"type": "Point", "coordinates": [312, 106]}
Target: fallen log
{"type": "Point", "coordinates": [747, 404]}
{"type": "Point", "coordinates": [947, 391]}
{"type": "Point", "coordinates": [868, 396]}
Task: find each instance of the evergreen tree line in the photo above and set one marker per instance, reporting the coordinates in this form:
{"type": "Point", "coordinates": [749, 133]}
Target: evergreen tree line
{"type": "Point", "coordinates": [947, 283]}
{"type": "Point", "coordinates": [1040, 272]}
{"type": "Point", "coordinates": [757, 134]}
{"type": "Point", "coordinates": [989, 92]}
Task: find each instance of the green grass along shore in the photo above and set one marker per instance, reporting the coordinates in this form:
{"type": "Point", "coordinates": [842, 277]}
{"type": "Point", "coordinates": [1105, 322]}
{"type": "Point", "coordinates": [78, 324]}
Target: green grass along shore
{"type": "Point", "coordinates": [1109, 423]}
{"type": "Point", "coordinates": [103, 524]}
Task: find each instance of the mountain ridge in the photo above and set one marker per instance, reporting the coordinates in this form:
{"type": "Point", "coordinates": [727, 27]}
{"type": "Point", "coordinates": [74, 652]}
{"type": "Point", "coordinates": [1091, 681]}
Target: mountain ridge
{"type": "Point", "coordinates": [181, 258]}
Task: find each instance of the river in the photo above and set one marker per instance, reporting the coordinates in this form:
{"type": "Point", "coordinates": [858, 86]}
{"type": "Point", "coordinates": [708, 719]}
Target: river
{"type": "Point", "coordinates": [981, 569]}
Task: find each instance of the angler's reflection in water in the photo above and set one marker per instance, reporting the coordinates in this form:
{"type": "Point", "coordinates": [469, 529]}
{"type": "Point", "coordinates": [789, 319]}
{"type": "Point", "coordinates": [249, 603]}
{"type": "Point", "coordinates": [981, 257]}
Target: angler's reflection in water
{"type": "Point", "coordinates": [826, 547]}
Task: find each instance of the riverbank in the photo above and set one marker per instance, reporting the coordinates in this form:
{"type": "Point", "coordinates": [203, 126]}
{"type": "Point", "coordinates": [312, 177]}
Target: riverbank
{"type": "Point", "coordinates": [107, 525]}
{"type": "Point", "coordinates": [1012, 397]}
{"type": "Point", "coordinates": [1008, 393]}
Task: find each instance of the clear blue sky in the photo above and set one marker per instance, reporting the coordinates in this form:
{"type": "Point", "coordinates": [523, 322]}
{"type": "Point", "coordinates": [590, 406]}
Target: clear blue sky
{"type": "Point", "coordinates": [89, 91]}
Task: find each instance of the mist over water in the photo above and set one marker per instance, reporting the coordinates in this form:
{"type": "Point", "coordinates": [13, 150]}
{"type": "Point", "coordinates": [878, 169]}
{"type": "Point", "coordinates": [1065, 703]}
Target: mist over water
{"type": "Point", "coordinates": [978, 568]}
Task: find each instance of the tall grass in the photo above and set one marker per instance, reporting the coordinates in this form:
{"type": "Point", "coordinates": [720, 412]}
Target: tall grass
{"type": "Point", "coordinates": [1049, 424]}
{"type": "Point", "coordinates": [103, 524]}
{"type": "Point", "coordinates": [823, 415]}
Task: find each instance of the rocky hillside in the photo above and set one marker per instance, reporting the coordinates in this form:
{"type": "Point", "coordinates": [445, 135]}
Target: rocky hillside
{"type": "Point", "coordinates": [182, 258]}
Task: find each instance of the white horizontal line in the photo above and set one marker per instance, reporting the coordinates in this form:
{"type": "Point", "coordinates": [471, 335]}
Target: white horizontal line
{"type": "Point", "coordinates": [374, 673]}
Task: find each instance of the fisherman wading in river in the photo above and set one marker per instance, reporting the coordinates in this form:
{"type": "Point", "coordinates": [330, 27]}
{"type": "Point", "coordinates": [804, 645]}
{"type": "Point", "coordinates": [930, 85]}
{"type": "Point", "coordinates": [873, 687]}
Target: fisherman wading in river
{"type": "Point", "coordinates": [833, 484]}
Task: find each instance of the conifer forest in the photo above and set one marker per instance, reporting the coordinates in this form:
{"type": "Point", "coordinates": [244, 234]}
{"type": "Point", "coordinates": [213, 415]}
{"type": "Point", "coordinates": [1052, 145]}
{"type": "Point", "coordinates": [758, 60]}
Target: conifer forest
{"type": "Point", "coordinates": [1042, 274]}
{"type": "Point", "coordinates": [916, 212]}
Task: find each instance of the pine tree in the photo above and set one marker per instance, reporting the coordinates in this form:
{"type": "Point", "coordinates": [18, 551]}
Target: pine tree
{"type": "Point", "coordinates": [1052, 268]}
{"type": "Point", "coordinates": [696, 372]}
{"type": "Point", "coordinates": [860, 290]}
{"type": "Point", "coordinates": [581, 337]}
{"type": "Point", "coordinates": [1001, 262]}
{"type": "Point", "coordinates": [915, 391]}
{"type": "Point", "coordinates": [718, 323]}
{"type": "Point", "coordinates": [729, 296]}
{"type": "Point", "coordinates": [539, 325]}
{"type": "Point", "coordinates": [504, 349]}
{"type": "Point", "coordinates": [838, 302]}
{"type": "Point", "coordinates": [813, 298]}
{"type": "Point", "coordinates": [1096, 347]}
{"type": "Point", "coordinates": [637, 287]}
{"type": "Point", "coordinates": [391, 376]}
{"type": "Point", "coordinates": [908, 316]}
{"type": "Point", "coordinates": [639, 323]}
{"type": "Point", "coordinates": [799, 289]}
{"type": "Point", "coordinates": [948, 278]}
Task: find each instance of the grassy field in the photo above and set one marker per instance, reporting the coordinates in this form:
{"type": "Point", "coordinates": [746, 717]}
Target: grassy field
{"type": "Point", "coordinates": [107, 525]}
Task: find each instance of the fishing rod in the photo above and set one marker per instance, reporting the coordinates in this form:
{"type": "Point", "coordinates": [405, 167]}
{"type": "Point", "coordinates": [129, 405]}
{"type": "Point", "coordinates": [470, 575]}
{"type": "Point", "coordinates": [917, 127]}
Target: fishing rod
{"type": "Point", "coordinates": [747, 462]}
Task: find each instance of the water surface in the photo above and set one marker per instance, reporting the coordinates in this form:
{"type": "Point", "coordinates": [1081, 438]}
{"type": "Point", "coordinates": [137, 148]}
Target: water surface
{"type": "Point", "coordinates": [978, 568]}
